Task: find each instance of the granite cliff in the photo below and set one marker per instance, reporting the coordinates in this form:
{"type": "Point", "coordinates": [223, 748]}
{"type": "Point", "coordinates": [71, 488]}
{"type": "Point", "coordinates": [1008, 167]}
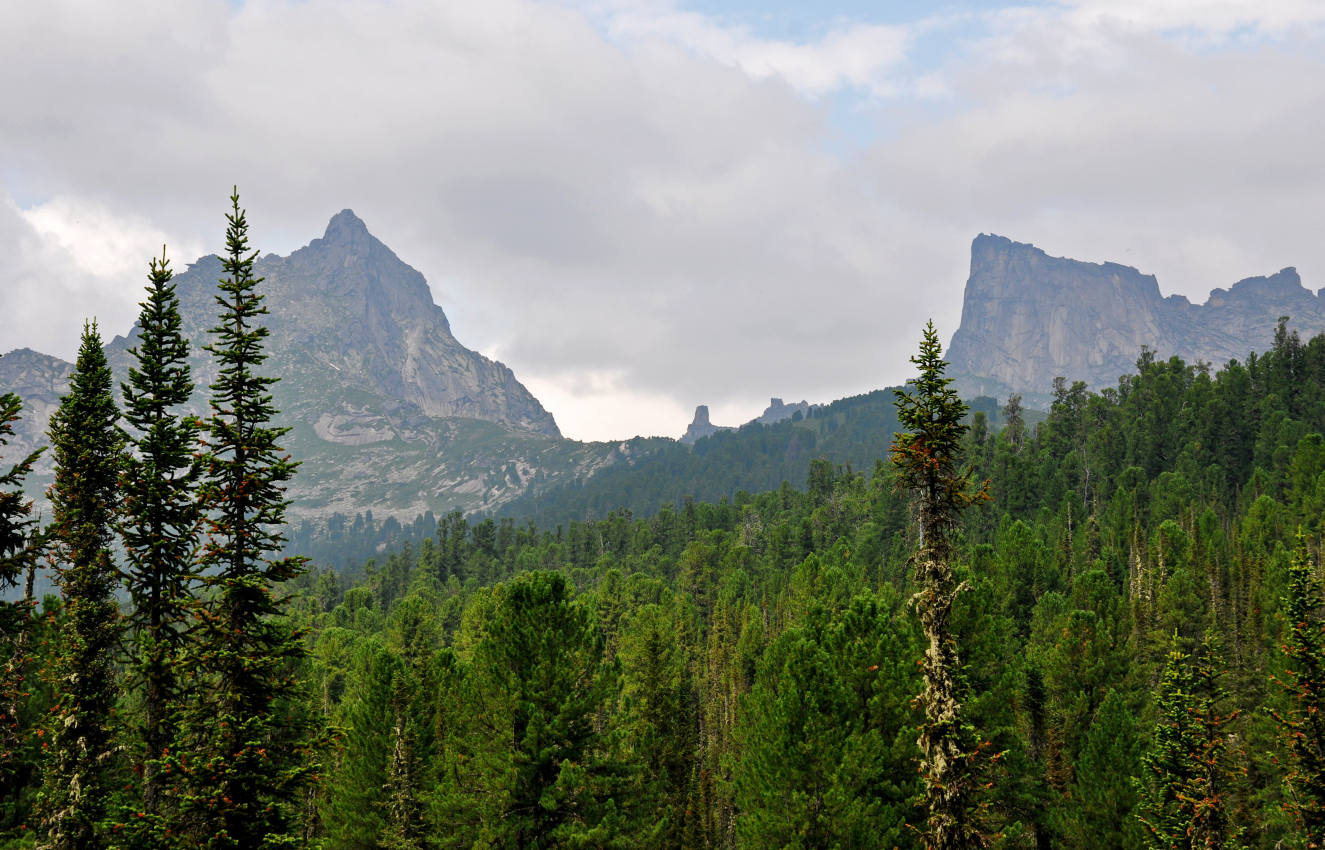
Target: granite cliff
{"type": "Point", "coordinates": [1028, 317]}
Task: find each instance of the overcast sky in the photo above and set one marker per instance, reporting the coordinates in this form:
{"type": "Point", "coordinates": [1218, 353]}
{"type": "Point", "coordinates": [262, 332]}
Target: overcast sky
{"type": "Point", "coordinates": [644, 205]}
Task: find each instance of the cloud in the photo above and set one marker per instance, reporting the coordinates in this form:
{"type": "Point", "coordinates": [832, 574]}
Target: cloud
{"type": "Point", "coordinates": [49, 290]}
{"type": "Point", "coordinates": [640, 209]}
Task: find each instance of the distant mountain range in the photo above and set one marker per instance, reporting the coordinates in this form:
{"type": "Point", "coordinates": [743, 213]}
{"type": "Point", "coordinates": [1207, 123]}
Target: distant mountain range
{"type": "Point", "coordinates": [390, 414]}
{"type": "Point", "coordinates": [1028, 318]}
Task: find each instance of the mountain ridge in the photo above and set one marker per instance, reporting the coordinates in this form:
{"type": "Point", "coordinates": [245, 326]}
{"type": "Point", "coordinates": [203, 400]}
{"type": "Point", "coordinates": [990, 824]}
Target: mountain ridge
{"type": "Point", "coordinates": [1028, 318]}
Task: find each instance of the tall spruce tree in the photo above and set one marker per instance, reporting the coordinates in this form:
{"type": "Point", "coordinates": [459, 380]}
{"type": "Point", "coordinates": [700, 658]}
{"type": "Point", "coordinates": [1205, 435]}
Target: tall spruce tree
{"type": "Point", "coordinates": [926, 457]}
{"type": "Point", "coordinates": [19, 551]}
{"type": "Point", "coordinates": [88, 450]}
{"type": "Point", "coordinates": [159, 523]}
{"type": "Point", "coordinates": [251, 739]}
{"type": "Point", "coordinates": [1303, 723]}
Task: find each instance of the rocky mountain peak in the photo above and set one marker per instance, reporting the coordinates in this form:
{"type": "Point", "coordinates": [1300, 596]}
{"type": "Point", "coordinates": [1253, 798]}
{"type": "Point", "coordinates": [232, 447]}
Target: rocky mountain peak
{"type": "Point", "coordinates": [700, 426]}
{"type": "Point", "coordinates": [1028, 318]}
{"type": "Point", "coordinates": [777, 410]}
{"type": "Point", "coordinates": [345, 228]}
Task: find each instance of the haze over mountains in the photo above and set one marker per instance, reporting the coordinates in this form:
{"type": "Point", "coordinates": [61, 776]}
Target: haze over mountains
{"type": "Point", "coordinates": [1028, 318]}
{"type": "Point", "coordinates": [390, 413]}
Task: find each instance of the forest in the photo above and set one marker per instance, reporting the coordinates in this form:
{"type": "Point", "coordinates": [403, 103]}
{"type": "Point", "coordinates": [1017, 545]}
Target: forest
{"type": "Point", "coordinates": [1101, 631]}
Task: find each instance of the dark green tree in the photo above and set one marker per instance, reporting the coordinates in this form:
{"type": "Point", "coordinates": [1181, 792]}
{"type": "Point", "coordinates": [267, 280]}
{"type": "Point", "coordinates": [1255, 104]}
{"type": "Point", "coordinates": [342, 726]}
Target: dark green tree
{"type": "Point", "coordinates": [826, 757]}
{"type": "Point", "coordinates": [19, 550]}
{"type": "Point", "coordinates": [926, 457]}
{"type": "Point", "coordinates": [1101, 809]}
{"type": "Point", "coordinates": [158, 525]}
{"type": "Point", "coordinates": [1303, 722]}
{"type": "Point", "coordinates": [249, 755]}
{"type": "Point", "coordinates": [405, 827]}
{"type": "Point", "coordinates": [535, 772]}
{"type": "Point", "coordinates": [1185, 775]}
{"type": "Point", "coordinates": [88, 449]}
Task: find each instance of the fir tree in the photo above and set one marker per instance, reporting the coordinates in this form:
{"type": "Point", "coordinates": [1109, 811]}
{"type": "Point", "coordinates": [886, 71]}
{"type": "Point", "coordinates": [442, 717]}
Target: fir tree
{"type": "Point", "coordinates": [159, 520]}
{"type": "Point", "coordinates": [79, 754]}
{"type": "Point", "coordinates": [925, 457]}
{"type": "Point", "coordinates": [1303, 723]}
{"type": "Point", "coordinates": [1183, 786]}
{"type": "Point", "coordinates": [251, 739]}
{"type": "Point", "coordinates": [19, 550]}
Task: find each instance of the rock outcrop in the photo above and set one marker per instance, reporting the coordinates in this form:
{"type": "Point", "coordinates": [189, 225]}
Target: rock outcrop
{"type": "Point", "coordinates": [1028, 318]}
{"type": "Point", "coordinates": [701, 427]}
{"type": "Point", "coordinates": [777, 411]}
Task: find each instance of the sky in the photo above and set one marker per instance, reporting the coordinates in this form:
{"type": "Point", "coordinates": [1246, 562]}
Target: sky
{"type": "Point", "coordinates": [645, 205]}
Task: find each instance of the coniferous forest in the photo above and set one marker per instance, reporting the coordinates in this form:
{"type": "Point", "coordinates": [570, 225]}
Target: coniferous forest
{"type": "Point", "coordinates": [1103, 631]}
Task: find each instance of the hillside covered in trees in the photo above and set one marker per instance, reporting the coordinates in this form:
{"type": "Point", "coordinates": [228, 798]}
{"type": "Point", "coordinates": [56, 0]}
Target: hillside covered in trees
{"type": "Point", "coordinates": [1109, 633]}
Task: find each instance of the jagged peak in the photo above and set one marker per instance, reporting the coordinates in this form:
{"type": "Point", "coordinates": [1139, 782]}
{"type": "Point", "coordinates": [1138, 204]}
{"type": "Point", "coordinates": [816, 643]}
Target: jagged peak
{"type": "Point", "coordinates": [345, 225]}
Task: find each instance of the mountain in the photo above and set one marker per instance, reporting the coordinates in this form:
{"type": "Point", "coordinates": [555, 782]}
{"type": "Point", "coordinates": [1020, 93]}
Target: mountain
{"type": "Point", "coordinates": [1028, 318]}
{"type": "Point", "coordinates": [853, 432]}
{"type": "Point", "coordinates": [776, 411]}
{"type": "Point", "coordinates": [387, 410]}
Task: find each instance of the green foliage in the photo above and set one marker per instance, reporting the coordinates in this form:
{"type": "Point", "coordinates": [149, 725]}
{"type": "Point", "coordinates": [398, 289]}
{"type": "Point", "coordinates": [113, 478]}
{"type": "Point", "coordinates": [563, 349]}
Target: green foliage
{"type": "Point", "coordinates": [927, 457]}
{"type": "Point", "coordinates": [532, 768]}
{"type": "Point", "coordinates": [79, 745]}
{"type": "Point", "coordinates": [827, 757]}
{"type": "Point", "coordinates": [248, 739]}
{"type": "Point", "coordinates": [1303, 723]}
{"type": "Point", "coordinates": [159, 528]}
{"type": "Point", "coordinates": [1184, 780]}
{"type": "Point", "coordinates": [1100, 811]}
{"type": "Point", "coordinates": [19, 550]}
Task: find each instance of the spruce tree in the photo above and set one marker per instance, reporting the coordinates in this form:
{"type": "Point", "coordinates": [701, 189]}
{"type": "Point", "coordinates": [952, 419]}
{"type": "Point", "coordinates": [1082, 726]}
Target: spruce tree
{"type": "Point", "coordinates": [88, 450]}
{"type": "Point", "coordinates": [19, 550]}
{"type": "Point", "coordinates": [926, 460]}
{"type": "Point", "coordinates": [251, 738]}
{"type": "Point", "coordinates": [159, 522]}
{"type": "Point", "coordinates": [1303, 723]}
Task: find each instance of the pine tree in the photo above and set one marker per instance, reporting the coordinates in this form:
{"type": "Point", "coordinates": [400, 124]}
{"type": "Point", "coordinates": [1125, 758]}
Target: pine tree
{"type": "Point", "coordinates": [925, 457]}
{"type": "Point", "coordinates": [88, 453]}
{"type": "Point", "coordinates": [159, 523]}
{"type": "Point", "coordinates": [534, 771]}
{"type": "Point", "coordinates": [251, 739]}
{"type": "Point", "coordinates": [19, 550]}
{"type": "Point", "coordinates": [1303, 723]}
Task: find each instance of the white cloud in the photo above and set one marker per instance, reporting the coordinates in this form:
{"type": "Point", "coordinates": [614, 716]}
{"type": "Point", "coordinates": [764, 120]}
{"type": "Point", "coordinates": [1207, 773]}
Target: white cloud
{"type": "Point", "coordinates": [857, 55]}
{"type": "Point", "coordinates": [648, 197]}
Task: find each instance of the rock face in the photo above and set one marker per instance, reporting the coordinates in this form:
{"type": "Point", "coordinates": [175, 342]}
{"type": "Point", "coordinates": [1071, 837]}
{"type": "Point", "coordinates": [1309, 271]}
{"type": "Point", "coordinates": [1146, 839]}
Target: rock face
{"type": "Point", "coordinates": [348, 316]}
{"type": "Point", "coordinates": [387, 410]}
{"type": "Point", "coordinates": [1028, 318]}
{"type": "Point", "coordinates": [701, 427]}
{"type": "Point", "coordinates": [777, 411]}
